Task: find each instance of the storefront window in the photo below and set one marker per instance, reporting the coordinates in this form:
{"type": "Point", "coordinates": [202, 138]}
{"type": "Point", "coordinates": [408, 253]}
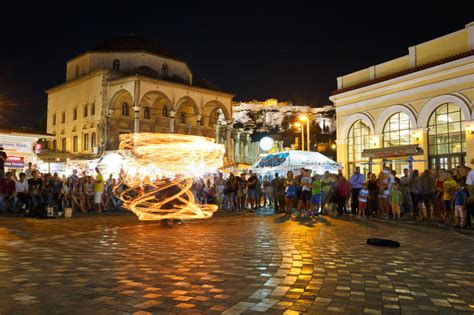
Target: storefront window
{"type": "Point", "coordinates": [358, 140]}
{"type": "Point", "coordinates": [396, 131]}
{"type": "Point", "coordinates": [446, 137]}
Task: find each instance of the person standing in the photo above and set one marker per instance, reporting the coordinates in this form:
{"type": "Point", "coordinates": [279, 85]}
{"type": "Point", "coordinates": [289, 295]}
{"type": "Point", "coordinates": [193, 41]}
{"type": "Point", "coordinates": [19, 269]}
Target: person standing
{"type": "Point", "coordinates": [305, 195]}
{"type": "Point", "coordinates": [252, 183]}
{"type": "Point", "coordinates": [395, 200]}
{"type": "Point", "coordinates": [415, 193]}
{"type": "Point", "coordinates": [449, 187]}
{"type": "Point", "coordinates": [316, 195]}
{"type": "Point", "coordinates": [326, 185]}
{"type": "Point", "coordinates": [28, 171]}
{"type": "Point", "coordinates": [343, 187]}
{"type": "Point", "coordinates": [405, 188]}
{"type": "Point", "coordinates": [267, 192]}
{"type": "Point", "coordinates": [460, 197]}
{"type": "Point", "coordinates": [290, 192]}
{"type": "Point", "coordinates": [275, 185]}
{"type": "Point", "coordinates": [428, 189]}
{"type": "Point", "coordinates": [363, 197]}
{"type": "Point", "coordinates": [373, 189]}
{"type": "Point", "coordinates": [231, 189]}
{"type": "Point", "coordinates": [242, 185]}
{"type": "Point", "coordinates": [356, 182]}
{"type": "Point", "coordinates": [98, 190]}
{"type": "Point", "coordinates": [470, 196]}
{"type": "Point", "coordinates": [219, 184]}
{"type": "Point", "coordinates": [3, 159]}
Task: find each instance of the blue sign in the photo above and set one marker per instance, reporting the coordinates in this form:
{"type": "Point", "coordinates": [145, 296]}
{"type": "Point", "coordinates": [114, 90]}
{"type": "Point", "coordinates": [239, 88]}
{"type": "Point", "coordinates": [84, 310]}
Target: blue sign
{"type": "Point", "coordinates": [272, 160]}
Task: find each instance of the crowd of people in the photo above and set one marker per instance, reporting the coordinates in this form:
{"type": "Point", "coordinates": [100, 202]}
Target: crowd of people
{"type": "Point", "coordinates": [444, 196]}
{"type": "Point", "coordinates": [32, 192]}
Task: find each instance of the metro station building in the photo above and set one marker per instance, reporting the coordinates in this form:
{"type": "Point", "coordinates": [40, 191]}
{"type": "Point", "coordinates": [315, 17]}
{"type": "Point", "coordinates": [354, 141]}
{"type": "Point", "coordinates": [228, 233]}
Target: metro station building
{"type": "Point", "coordinates": [417, 107]}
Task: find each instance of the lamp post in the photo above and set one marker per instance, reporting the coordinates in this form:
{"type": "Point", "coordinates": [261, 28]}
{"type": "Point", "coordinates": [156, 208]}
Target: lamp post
{"type": "Point", "coordinates": [298, 125]}
{"type": "Point", "coordinates": [305, 118]}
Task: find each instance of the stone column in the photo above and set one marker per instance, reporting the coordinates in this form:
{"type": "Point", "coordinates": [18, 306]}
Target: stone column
{"type": "Point", "coordinates": [218, 133]}
{"type": "Point", "coordinates": [237, 146]}
{"type": "Point", "coordinates": [136, 119]}
{"type": "Point", "coordinates": [246, 148]}
{"type": "Point", "coordinates": [228, 140]}
{"type": "Point", "coordinates": [172, 113]}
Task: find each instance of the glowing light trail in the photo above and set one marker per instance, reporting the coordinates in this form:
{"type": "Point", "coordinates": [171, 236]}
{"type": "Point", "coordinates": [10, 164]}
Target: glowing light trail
{"type": "Point", "coordinates": [181, 156]}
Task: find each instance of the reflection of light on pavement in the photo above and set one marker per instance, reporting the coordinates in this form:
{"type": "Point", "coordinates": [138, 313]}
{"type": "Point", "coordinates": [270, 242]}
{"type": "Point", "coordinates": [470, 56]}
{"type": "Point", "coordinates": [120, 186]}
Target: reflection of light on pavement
{"type": "Point", "coordinates": [180, 156]}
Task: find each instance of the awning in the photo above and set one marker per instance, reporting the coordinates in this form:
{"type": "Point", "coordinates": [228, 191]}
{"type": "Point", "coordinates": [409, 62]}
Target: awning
{"type": "Point", "coordinates": [393, 152]}
{"type": "Point", "coordinates": [53, 156]}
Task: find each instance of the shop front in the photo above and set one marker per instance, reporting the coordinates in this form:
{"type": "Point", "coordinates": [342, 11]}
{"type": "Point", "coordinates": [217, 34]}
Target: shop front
{"type": "Point", "coordinates": [21, 148]}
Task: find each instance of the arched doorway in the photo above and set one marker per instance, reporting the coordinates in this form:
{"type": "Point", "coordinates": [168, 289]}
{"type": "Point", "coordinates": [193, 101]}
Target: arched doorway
{"type": "Point", "coordinates": [358, 139]}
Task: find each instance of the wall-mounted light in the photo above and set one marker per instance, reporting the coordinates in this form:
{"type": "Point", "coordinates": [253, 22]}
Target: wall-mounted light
{"type": "Point", "coordinates": [469, 130]}
{"type": "Point", "coordinates": [415, 136]}
{"type": "Point", "coordinates": [333, 146]}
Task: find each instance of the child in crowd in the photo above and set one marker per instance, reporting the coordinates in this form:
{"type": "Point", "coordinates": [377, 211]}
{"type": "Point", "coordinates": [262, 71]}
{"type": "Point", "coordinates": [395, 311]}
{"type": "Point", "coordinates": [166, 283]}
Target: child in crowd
{"type": "Point", "coordinates": [363, 197]}
{"type": "Point", "coordinates": [316, 194]}
{"type": "Point", "coordinates": [395, 200]}
{"type": "Point", "coordinates": [459, 202]}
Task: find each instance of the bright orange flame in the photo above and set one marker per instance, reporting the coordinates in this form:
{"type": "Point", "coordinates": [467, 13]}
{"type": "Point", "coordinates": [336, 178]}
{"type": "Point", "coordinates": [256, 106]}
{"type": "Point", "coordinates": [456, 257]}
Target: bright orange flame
{"type": "Point", "coordinates": [181, 155]}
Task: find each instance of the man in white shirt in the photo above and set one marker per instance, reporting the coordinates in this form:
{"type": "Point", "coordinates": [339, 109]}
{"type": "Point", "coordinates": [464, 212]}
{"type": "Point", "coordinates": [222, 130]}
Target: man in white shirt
{"type": "Point", "coordinates": [21, 187]}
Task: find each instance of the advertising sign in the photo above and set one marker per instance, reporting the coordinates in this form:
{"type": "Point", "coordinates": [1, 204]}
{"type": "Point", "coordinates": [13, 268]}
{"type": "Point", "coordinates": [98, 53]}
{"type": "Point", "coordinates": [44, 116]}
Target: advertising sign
{"type": "Point", "coordinates": [16, 146]}
{"type": "Point", "coordinates": [15, 162]}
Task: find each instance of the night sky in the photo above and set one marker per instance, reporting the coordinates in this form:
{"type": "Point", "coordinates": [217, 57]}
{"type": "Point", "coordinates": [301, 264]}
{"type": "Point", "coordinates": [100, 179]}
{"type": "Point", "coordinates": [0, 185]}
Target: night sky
{"type": "Point", "coordinates": [255, 50]}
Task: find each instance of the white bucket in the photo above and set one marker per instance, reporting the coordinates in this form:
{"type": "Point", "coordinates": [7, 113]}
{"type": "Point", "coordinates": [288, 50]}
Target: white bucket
{"type": "Point", "coordinates": [67, 212]}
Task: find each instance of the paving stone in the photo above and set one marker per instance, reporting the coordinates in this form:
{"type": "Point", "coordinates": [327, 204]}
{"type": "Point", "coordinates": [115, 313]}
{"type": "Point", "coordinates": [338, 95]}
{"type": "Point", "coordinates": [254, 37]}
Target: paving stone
{"type": "Point", "coordinates": [245, 264]}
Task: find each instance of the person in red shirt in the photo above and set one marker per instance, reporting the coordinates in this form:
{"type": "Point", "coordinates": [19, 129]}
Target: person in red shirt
{"type": "Point", "coordinates": [439, 194]}
{"type": "Point", "coordinates": [7, 192]}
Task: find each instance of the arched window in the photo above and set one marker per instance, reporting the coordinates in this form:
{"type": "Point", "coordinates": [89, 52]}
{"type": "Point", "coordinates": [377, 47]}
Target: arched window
{"type": "Point", "coordinates": [125, 109]}
{"type": "Point", "coordinates": [86, 111]}
{"type": "Point", "coordinates": [358, 139]}
{"type": "Point", "coordinates": [116, 65]}
{"type": "Point", "coordinates": [165, 111]}
{"type": "Point", "coordinates": [182, 117]}
{"type": "Point", "coordinates": [146, 113]}
{"type": "Point", "coordinates": [164, 70]}
{"type": "Point", "coordinates": [93, 140]}
{"type": "Point", "coordinates": [74, 113]}
{"type": "Point", "coordinates": [85, 143]}
{"type": "Point", "coordinates": [397, 130]}
{"type": "Point", "coordinates": [446, 137]}
{"type": "Point", "coordinates": [92, 109]}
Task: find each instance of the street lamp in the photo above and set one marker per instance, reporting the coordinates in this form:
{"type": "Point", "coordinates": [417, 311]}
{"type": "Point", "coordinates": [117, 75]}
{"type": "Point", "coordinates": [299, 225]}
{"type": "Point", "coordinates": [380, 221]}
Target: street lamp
{"type": "Point", "coordinates": [305, 118]}
{"type": "Point", "coordinates": [298, 125]}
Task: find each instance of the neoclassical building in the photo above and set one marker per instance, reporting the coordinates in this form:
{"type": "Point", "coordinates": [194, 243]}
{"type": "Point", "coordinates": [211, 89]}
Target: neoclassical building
{"type": "Point", "coordinates": [419, 106]}
{"type": "Point", "coordinates": [130, 84]}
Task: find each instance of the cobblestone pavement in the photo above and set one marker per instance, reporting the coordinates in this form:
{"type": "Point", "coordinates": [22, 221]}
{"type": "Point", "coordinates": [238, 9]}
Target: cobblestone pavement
{"type": "Point", "coordinates": [113, 264]}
